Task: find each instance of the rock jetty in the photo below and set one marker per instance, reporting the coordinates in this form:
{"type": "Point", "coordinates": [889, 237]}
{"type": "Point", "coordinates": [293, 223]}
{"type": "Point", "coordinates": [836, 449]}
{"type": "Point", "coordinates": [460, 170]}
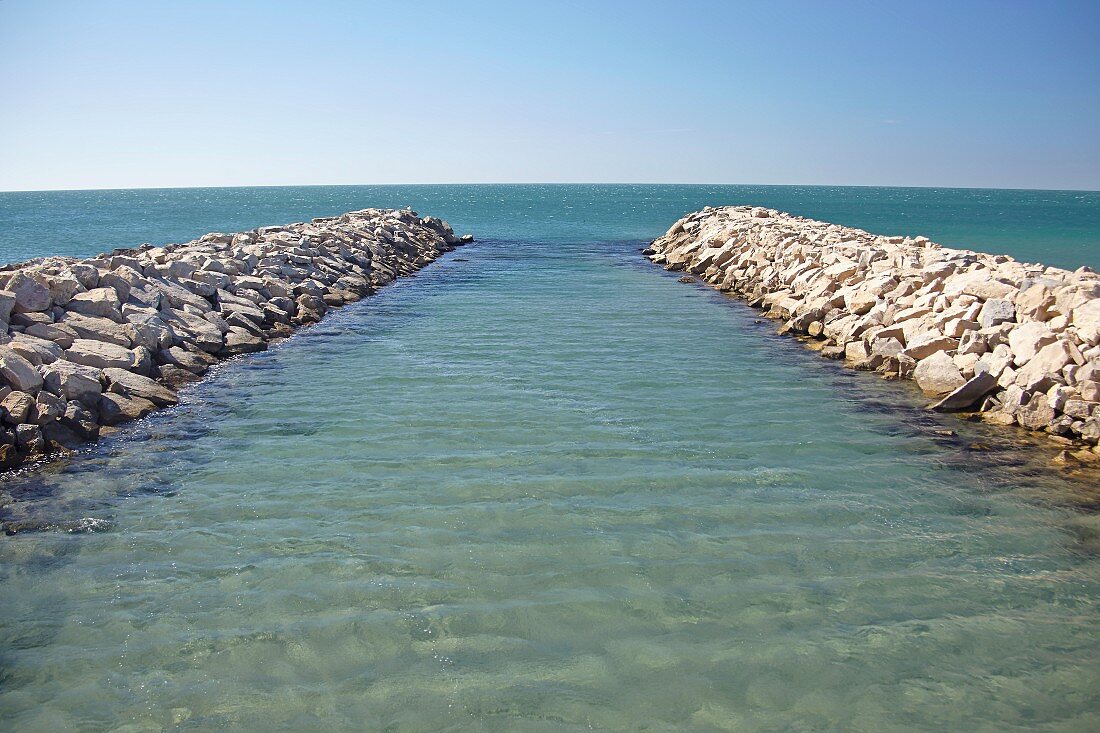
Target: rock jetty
{"type": "Point", "coordinates": [88, 344]}
{"type": "Point", "coordinates": [1016, 343]}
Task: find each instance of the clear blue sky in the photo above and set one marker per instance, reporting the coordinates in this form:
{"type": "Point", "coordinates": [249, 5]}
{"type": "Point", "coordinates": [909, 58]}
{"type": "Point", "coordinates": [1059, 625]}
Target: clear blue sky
{"type": "Point", "coordinates": [137, 93]}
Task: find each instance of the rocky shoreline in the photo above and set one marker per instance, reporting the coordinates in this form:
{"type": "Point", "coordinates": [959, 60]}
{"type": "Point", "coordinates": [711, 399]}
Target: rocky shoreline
{"type": "Point", "coordinates": [86, 345]}
{"type": "Point", "coordinates": [1010, 342]}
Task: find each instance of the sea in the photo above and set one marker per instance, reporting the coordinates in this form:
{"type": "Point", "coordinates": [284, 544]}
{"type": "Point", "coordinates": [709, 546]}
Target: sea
{"type": "Point", "coordinates": [544, 486]}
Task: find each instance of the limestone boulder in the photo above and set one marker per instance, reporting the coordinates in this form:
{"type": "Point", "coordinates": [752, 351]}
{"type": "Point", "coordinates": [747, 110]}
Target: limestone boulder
{"type": "Point", "coordinates": [1027, 339]}
{"type": "Point", "coordinates": [1036, 413]}
{"type": "Point", "coordinates": [979, 284]}
{"type": "Point", "coordinates": [7, 302]}
{"type": "Point", "coordinates": [1053, 357]}
{"type": "Point", "coordinates": [1044, 370]}
{"type": "Point", "coordinates": [151, 331]}
{"type": "Point", "coordinates": [1036, 303]}
{"type": "Point", "coordinates": [29, 439]}
{"type": "Point", "coordinates": [30, 295]}
{"type": "Point", "coordinates": [1079, 409]}
{"type": "Point", "coordinates": [99, 329]}
{"type": "Point", "coordinates": [937, 374]}
{"type": "Point", "coordinates": [35, 350]}
{"type": "Point", "coordinates": [16, 407]}
{"type": "Point", "coordinates": [80, 419]}
{"type": "Point", "coordinates": [997, 311]}
{"type": "Point", "coordinates": [99, 354]}
{"type": "Point", "coordinates": [969, 393]}
{"type": "Point", "coordinates": [1086, 321]}
{"type": "Point", "coordinates": [194, 329]}
{"type": "Point", "coordinates": [72, 381]}
{"type": "Point", "coordinates": [58, 333]}
{"type": "Point", "coordinates": [196, 362]}
{"type": "Point", "coordinates": [63, 286]}
{"type": "Point", "coordinates": [129, 384]}
{"type": "Point", "coordinates": [47, 407]}
{"type": "Point", "coordinates": [861, 301]}
{"type": "Point", "coordinates": [122, 280]}
{"type": "Point", "coordinates": [241, 341]}
{"type": "Point", "coordinates": [99, 302]}
{"type": "Point", "coordinates": [116, 408]}
{"type": "Point", "coordinates": [19, 373]}
{"type": "Point", "coordinates": [928, 343]}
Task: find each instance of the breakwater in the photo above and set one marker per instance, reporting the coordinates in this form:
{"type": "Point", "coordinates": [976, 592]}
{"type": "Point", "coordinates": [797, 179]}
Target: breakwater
{"type": "Point", "coordinates": [87, 344]}
{"type": "Point", "coordinates": [1016, 343]}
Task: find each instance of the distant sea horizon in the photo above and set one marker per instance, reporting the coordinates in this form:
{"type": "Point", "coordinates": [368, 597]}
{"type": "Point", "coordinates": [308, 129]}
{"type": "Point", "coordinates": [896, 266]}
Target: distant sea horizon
{"type": "Point", "coordinates": [1054, 227]}
{"type": "Point", "coordinates": [544, 183]}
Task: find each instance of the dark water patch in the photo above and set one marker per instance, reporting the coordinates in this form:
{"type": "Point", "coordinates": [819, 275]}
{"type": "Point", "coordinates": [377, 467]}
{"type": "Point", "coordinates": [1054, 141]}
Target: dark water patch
{"type": "Point", "coordinates": [70, 526]}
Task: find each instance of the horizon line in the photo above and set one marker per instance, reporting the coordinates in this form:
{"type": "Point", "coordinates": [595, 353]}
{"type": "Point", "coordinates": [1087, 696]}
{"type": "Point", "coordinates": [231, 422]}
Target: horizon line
{"type": "Point", "coordinates": [548, 183]}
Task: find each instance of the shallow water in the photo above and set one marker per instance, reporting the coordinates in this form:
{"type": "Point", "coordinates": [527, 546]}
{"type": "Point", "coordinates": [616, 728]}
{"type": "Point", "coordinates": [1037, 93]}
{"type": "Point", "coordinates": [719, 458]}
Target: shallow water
{"type": "Point", "coordinates": [544, 486]}
{"type": "Point", "coordinates": [611, 510]}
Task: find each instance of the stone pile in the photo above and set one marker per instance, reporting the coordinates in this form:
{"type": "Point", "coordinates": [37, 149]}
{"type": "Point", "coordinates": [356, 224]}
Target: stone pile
{"type": "Point", "coordinates": [1017, 343]}
{"type": "Point", "coordinates": [88, 344]}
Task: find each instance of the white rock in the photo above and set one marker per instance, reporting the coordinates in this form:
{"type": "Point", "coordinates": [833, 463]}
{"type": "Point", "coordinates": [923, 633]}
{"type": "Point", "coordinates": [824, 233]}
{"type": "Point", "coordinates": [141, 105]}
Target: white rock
{"type": "Point", "coordinates": [938, 374]}
{"type": "Point", "coordinates": [100, 302]}
{"type": "Point", "coordinates": [73, 381]}
{"type": "Point", "coordinates": [99, 354]}
{"type": "Point", "coordinates": [1027, 339]}
{"type": "Point", "coordinates": [19, 373]}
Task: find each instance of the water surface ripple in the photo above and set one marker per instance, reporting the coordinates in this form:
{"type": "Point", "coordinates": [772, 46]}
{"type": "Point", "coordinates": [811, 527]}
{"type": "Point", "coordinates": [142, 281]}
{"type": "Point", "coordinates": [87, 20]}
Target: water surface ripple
{"type": "Point", "coordinates": [545, 488]}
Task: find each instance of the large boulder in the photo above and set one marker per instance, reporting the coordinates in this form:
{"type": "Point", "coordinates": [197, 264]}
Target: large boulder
{"type": "Point", "coordinates": [99, 329]}
{"type": "Point", "coordinates": [979, 284]}
{"type": "Point", "coordinates": [31, 296]}
{"type": "Point", "coordinates": [18, 372]}
{"type": "Point", "coordinates": [1027, 339]}
{"type": "Point", "coordinates": [196, 362]}
{"type": "Point", "coordinates": [194, 329]}
{"type": "Point", "coordinates": [965, 396]}
{"type": "Point", "coordinates": [135, 385]}
{"type": "Point", "coordinates": [81, 419]}
{"type": "Point", "coordinates": [99, 354]}
{"type": "Point", "coordinates": [929, 343]}
{"type": "Point", "coordinates": [240, 341]}
{"type": "Point", "coordinates": [938, 374]}
{"type": "Point", "coordinates": [63, 286]}
{"type": "Point", "coordinates": [996, 311]}
{"type": "Point", "coordinates": [1045, 368]}
{"type": "Point", "coordinates": [1035, 303]}
{"type": "Point", "coordinates": [1086, 319]}
{"type": "Point", "coordinates": [100, 302]}
{"type": "Point", "coordinates": [73, 381]}
{"type": "Point", "coordinates": [151, 331]}
{"type": "Point", "coordinates": [1036, 413]}
{"type": "Point", "coordinates": [47, 407]}
{"type": "Point", "coordinates": [16, 407]}
{"type": "Point", "coordinates": [116, 408]}
{"type": "Point", "coordinates": [35, 350]}
{"type": "Point", "coordinates": [7, 302]}
{"type": "Point", "coordinates": [59, 333]}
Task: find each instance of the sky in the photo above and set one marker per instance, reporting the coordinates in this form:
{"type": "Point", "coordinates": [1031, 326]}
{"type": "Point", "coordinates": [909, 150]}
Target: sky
{"type": "Point", "coordinates": [137, 93]}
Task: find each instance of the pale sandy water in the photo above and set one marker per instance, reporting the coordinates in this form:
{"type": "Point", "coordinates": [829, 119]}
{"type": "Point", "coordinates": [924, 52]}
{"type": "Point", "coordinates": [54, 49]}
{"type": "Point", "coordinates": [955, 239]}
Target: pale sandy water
{"type": "Point", "coordinates": [547, 487]}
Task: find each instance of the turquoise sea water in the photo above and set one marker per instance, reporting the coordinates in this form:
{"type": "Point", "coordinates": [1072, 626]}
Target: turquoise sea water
{"type": "Point", "coordinates": [1059, 228]}
{"type": "Point", "coordinates": [544, 486]}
